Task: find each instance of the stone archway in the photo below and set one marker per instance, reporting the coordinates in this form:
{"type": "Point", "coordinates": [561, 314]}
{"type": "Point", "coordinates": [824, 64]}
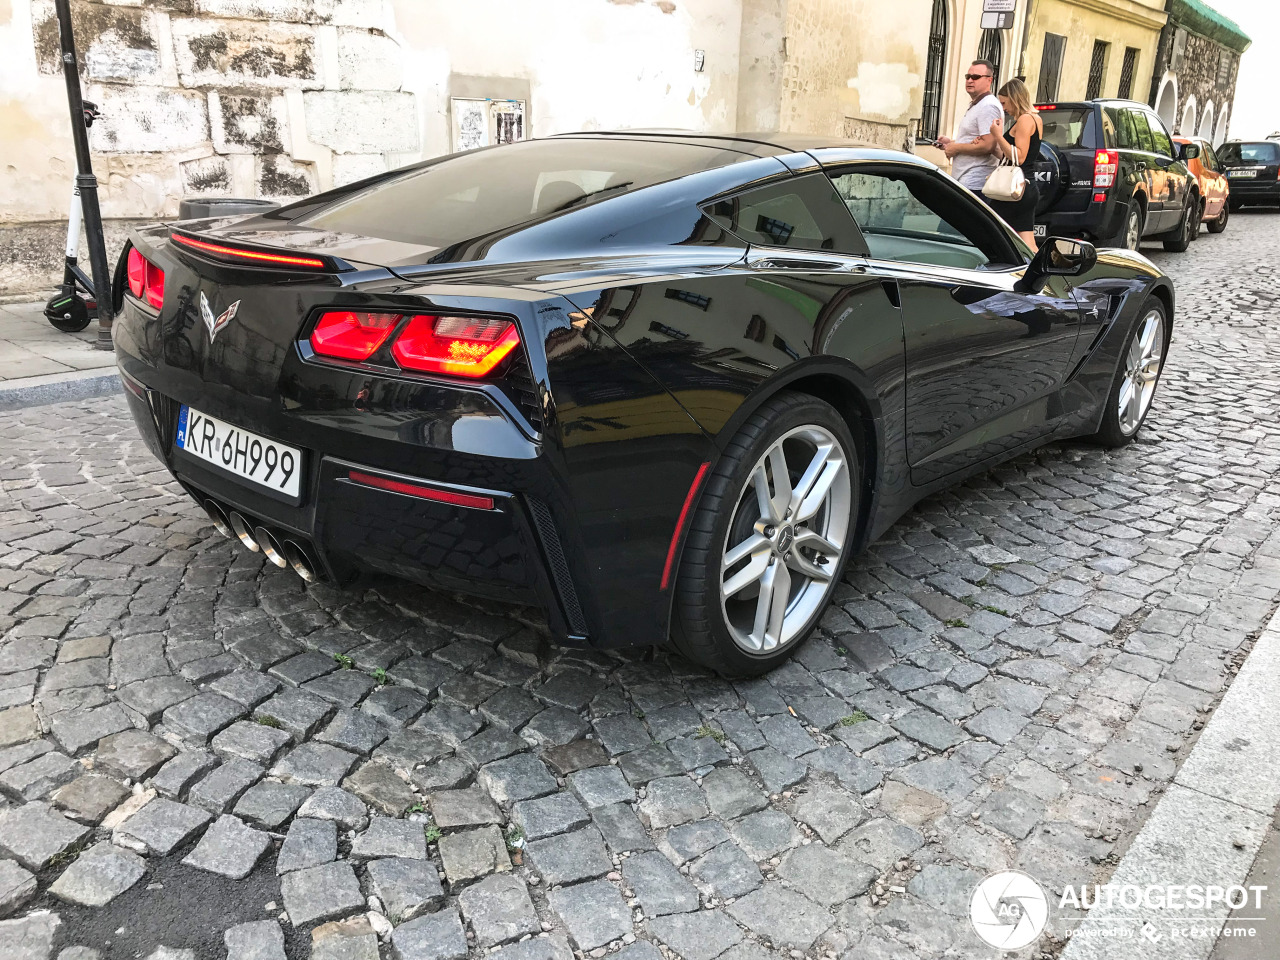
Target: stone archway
{"type": "Point", "coordinates": [1167, 101]}
{"type": "Point", "coordinates": [1206, 122]}
{"type": "Point", "coordinates": [1187, 126]}
{"type": "Point", "coordinates": [1220, 134]}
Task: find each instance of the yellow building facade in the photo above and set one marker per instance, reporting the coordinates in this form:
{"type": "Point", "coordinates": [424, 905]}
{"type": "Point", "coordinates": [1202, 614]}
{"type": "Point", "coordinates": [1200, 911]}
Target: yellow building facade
{"type": "Point", "coordinates": [1079, 49]}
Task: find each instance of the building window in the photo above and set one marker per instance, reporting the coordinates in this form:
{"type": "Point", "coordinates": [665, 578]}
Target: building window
{"type": "Point", "coordinates": [990, 48]}
{"type": "Point", "coordinates": [1127, 70]}
{"type": "Point", "coordinates": [1097, 67]}
{"type": "Point", "coordinates": [1050, 67]}
{"type": "Point", "coordinates": [933, 71]}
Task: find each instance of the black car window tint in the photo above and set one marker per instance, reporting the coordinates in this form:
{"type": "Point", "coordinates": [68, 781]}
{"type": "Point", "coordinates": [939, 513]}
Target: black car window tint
{"type": "Point", "coordinates": [1067, 127]}
{"type": "Point", "coordinates": [802, 212]}
{"type": "Point", "coordinates": [1160, 139]}
{"type": "Point", "coordinates": [1142, 132]}
{"type": "Point", "coordinates": [485, 192]}
{"type": "Point", "coordinates": [915, 215]}
{"type": "Point", "coordinates": [1126, 137]}
{"type": "Point", "coordinates": [1255, 153]}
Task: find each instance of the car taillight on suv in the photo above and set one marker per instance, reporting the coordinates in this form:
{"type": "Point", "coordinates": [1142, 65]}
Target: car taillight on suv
{"type": "Point", "coordinates": [1105, 163]}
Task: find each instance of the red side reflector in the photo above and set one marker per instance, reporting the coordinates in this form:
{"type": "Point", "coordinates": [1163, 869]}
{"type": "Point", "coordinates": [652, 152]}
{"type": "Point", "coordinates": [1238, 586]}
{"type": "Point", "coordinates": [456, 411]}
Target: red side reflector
{"type": "Point", "coordinates": [684, 516]}
{"type": "Point", "coordinates": [425, 493]}
{"type": "Point", "coordinates": [154, 285]}
{"type": "Point", "coordinates": [137, 269]}
{"type": "Point", "coordinates": [1099, 198]}
{"type": "Point", "coordinates": [352, 336]}
{"type": "Point", "coordinates": [459, 346]}
{"type": "Point", "coordinates": [278, 259]}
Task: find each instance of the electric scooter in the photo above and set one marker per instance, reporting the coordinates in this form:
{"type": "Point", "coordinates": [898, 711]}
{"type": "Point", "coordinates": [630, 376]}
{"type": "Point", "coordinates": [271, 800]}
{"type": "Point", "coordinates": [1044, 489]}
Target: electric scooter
{"type": "Point", "coordinates": [75, 305]}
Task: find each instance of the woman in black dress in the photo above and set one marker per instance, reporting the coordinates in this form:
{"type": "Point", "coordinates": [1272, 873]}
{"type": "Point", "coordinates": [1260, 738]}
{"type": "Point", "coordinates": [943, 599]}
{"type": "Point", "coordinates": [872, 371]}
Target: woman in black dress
{"type": "Point", "coordinates": [1024, 136]}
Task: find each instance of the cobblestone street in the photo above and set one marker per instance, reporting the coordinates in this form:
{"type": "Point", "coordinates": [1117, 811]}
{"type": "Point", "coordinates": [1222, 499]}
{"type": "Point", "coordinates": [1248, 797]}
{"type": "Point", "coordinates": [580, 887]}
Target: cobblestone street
{"type": "Point", "coordinates": [200, 752]}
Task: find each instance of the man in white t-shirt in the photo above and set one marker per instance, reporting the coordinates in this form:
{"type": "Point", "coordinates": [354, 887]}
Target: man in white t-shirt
{"type": "Point", "coordinates": [970, 152]}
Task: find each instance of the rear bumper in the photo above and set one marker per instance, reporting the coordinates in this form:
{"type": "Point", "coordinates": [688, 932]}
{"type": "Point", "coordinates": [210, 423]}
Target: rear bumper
{"type": "Point", "coordinates": [1244, 191]}
{"type": "Point", "coordinates": [1098, 223]}
{"type": "Point", "coordinates": [350, 532]}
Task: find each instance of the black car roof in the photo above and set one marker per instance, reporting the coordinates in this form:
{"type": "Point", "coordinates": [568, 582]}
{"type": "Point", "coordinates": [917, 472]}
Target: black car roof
{"type": "Point", "coordinates": [760, 144]}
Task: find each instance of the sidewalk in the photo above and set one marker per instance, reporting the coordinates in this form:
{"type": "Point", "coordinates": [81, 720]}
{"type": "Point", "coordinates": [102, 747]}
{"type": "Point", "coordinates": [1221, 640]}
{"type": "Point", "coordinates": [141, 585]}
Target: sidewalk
{"type": "Point", "coordinates": [41, 364]}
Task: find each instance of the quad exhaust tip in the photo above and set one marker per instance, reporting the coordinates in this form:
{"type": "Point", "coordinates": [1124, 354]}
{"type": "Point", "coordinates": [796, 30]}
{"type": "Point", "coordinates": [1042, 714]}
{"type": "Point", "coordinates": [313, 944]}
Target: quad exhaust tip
{"type": "Point", "coordinates": [244, 532]}
{"type": "Point", "coordinates": [271, 548]}
{"type": "Point", "coordinates": [219, 519]}
{"type": "Point", "coordinates": [298, 559]}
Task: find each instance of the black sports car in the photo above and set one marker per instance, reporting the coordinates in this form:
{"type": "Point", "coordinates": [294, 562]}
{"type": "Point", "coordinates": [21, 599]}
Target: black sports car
{"type": "Point", "coordinates": [662, 385]}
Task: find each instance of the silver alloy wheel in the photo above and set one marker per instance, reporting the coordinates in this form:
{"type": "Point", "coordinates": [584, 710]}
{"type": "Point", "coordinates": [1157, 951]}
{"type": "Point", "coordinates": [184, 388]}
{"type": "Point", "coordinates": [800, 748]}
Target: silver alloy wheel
{"type": "Point", "coordinates": [1133, 229]}
{"type": "Point", "coordinates": [1142, 369]}
{"type": "Point", "coordinates": [783, 546]}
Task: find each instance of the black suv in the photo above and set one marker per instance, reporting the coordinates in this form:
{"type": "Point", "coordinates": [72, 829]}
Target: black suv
{"type": "Point", "coordinates": [1253, 170]}
{"type": "Point", "coordinates": [1110, 172]}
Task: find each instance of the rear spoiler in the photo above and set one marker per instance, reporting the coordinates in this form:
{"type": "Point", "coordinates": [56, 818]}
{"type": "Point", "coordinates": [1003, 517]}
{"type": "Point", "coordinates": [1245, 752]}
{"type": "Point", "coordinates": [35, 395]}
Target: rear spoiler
{"type": "Point", "coordinates": [245, 255]}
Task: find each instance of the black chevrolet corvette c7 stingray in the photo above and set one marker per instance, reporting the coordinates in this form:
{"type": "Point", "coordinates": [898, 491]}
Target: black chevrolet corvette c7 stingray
{"type": "Point", "coordinates": [662, 385]}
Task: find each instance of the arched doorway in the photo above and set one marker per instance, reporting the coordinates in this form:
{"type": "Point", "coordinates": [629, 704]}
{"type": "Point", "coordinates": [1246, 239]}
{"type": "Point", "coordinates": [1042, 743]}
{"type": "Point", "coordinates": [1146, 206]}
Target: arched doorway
{"type": "Point", "coordinates": [1206, 122]}
{"type": "Point", "coordinates": [1220, 134]}
{"type": "Point", "coordinates": [931, 109]}
{"type": "Point", "coordinates": [1187, 127]}
{"type": "Point", "coordinates": [1167, 101]}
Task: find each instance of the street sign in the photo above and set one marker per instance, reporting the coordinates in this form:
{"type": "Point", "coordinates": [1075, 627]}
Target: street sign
{"type": "Point", "coordinates": [999, 6]}
{"type": "Point", "coordinates": [996, 20]}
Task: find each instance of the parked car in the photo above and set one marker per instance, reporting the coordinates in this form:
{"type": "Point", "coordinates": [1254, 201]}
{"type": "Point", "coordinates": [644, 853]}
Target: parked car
{"type": "Point", "coordinates": [1253, 168]}
{"type": "Point", "coordinates": [662, 385]}
{"type": "Point", "coordinates": [1214, 186]}
{"type": "Point", "coordinates": [1111, 173]}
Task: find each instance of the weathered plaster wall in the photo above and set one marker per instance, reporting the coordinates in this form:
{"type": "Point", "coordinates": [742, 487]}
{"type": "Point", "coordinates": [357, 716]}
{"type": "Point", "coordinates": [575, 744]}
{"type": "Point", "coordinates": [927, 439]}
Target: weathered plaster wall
{"type": "Point", "coordinates": [1188, 67]}
{"type": "Point", "coordinates": [281, 98]}
{"type": "Point", "coordinates": [854, 68]}
{"type": "Point", "coordinates": [1122, 23]}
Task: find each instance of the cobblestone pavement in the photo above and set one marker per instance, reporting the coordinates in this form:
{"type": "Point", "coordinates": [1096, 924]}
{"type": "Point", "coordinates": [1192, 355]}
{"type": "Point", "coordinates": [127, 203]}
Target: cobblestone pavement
{"type": "Point", "coordinates": [1010, 678]}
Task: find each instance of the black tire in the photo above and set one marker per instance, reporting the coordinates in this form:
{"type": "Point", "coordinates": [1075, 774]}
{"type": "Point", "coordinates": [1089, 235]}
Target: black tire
{"type": "Point", "coordinates": [1111, 433]}
{"type": "Point", "coordinates": [1127, 230]}
{"type": "Point", "coordinates": [1219, 223]}
{"type": "Point", "coordinates": [1195, 224]}
{"type": "Point", "coordinates": [699, 630]}
{"type": "Point", "coordinates": [1180, 239]}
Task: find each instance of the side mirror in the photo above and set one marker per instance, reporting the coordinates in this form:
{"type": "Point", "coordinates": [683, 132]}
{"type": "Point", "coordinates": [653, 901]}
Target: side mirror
{"type": "Point", "coordinates": [1057, 257]}
{"type": "Point", "coordinates": [1188, 151]}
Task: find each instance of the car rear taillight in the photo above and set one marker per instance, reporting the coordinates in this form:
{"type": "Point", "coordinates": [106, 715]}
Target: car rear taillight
{"type": "Point", "coordinates": [349, 335]}
{"type": "Point", "coordinates": [146, 280]}
{"type": "Point", "coordinates": [1046, 106]}
{"type": "Point", "coordinates": [1105, 163]}
{"type": "Point", "coordinates": [458, 346]}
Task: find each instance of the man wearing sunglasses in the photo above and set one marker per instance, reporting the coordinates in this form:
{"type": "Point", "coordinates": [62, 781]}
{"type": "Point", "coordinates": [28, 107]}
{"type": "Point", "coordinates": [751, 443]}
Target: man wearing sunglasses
{"type": "Point", "coordinates": [970, 152]}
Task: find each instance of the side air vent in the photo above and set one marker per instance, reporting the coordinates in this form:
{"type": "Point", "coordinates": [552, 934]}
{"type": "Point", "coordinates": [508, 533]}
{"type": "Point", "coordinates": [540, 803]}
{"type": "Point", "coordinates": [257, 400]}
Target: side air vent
{"type": "Point", "coordinates": [558, 566]}
{"type": "Point", "coordinates": [522, 390]}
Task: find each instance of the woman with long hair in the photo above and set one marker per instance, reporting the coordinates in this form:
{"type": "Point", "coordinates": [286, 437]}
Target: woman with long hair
{"type": "Point", "coordinates": [1023, 137]}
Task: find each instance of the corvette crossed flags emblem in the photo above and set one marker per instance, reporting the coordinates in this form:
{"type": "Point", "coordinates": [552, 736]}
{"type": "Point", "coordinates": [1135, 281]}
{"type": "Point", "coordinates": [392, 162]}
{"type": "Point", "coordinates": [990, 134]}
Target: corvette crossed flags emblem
{"type": "Point", "coordinates": [221, 321]}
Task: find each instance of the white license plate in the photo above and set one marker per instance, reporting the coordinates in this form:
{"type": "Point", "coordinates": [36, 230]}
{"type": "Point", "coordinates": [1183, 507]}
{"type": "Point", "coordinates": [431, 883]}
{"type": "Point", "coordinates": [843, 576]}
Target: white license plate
{"type": "Point", "coordinates": [251, 457]}
{"type": "Point", "coordinates": [1243, 172]}
{"type": "Point", "coordinates": [1040, 229]}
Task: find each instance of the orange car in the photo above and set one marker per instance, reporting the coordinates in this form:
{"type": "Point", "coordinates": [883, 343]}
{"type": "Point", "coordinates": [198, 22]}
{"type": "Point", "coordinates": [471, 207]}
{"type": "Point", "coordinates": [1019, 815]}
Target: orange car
{"type": "Point", "coordinates": [1213, 184]}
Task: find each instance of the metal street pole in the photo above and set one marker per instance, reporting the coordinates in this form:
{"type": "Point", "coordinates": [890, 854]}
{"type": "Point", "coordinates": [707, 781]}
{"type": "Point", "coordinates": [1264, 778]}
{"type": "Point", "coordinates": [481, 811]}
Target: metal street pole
{"type": "Point", "coordinates": [86, 182]}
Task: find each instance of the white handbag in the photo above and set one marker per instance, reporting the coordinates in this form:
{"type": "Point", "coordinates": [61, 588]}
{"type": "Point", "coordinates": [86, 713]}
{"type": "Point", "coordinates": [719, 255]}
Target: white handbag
{"type": "Point", "coordinates": [1007, 181]}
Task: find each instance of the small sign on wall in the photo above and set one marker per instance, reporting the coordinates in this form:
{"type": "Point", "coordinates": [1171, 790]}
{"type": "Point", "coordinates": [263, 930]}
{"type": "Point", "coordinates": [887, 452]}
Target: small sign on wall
{"type": "Point", "coordinates": [486, 123]}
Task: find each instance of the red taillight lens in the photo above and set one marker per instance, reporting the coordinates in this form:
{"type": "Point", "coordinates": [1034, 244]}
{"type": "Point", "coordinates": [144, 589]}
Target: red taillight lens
{"type": "Point", "coordinates": [154, 289]}
{"type": "Point", "coordinates": [459, 346]}
{"type": "Point", "coordinates": [1105, 163]}
{"type": "Point", "coordinates": [137, 272]}
{"type": "Point", "coordinates": [352, 336]}
{"type": "Point", "coordinates": [1046, 106]}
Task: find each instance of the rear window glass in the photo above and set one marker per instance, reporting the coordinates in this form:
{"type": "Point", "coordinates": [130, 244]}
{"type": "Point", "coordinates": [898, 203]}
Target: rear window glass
{"type": "Point", "coordinates": [470, 195]}
{"type": "Point", "coordinates": [1264, 153]}
{"type": "Point", "coordinates": [1067, 127]}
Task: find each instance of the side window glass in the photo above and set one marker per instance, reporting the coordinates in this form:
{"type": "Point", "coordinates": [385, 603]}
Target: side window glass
{"type": "Point", "coordinates": [1208, 157]}
{"type": "Point", "coordinates": [1160, 136]}
{"type": "Point", "coordinates": [909, 215]}
{"type": "Point", "coordinates": [1126, 136]}
{"type": "Point", "coordinates": [803, 213]}
{"type": "Point", "coordinates": [1142, 133]}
